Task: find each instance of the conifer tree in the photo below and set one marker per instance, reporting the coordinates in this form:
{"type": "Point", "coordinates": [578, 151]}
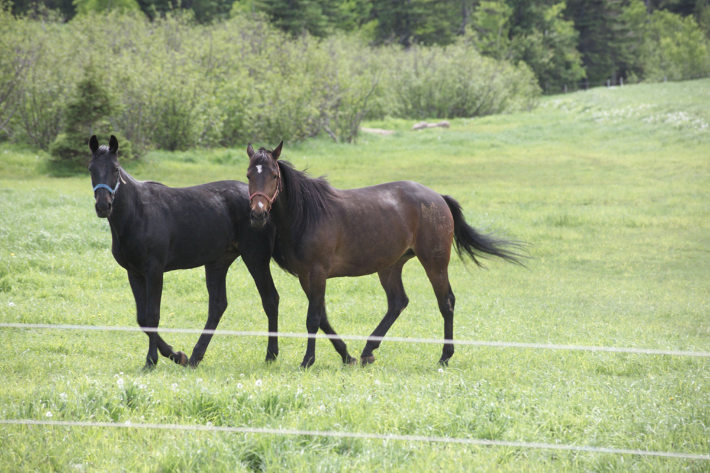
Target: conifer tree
{"type": "Point", "coordinates": [87, 113]}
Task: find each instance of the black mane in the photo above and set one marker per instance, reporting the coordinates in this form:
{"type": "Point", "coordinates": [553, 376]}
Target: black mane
{"type": "Point", "coordinates": [309, 199]}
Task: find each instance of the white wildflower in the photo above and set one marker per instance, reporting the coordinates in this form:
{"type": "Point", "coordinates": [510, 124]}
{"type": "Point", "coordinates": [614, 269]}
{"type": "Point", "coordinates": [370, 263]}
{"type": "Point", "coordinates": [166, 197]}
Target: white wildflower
{"type": "Point", "coordinates": [119, 381]}
{"type": "Point", "coordinates": [49, 414]}
{"type": "Point", "coordinates": [209, 425]}
{"type": "Point", "coordinates": [258, 383]}
{"type": "Point", "coordinates": [63, 396]}
{"type": "Point", "coordinates": [377, 382]}
{"type": "Point", "coordinates": [441, 370]}
{"type": "Point", "coordinates": [11, 304]}
{"type": "Point", "coordinates": [239, 386]}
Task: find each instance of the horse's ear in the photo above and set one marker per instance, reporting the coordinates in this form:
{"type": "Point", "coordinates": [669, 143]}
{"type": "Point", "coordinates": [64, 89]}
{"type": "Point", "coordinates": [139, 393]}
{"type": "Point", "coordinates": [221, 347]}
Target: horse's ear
{"type": "Point", "coordinates": [93, 144]}
{"type": "Point", "coordinates": [250, 151]}
{"type": "Point", "coordinates": [277, 152]}
{"type": "Point", "coordinates": [113, 144]}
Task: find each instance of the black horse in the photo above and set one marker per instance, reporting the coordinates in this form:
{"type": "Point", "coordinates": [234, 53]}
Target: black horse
{"type": "Point", "coordinates": [323, 233]}
{"type": "Point", "coordinates": [156, 229]}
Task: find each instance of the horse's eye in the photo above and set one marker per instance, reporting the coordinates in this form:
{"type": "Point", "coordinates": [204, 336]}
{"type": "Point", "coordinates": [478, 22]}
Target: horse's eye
{"type": "Point", "coordinates": [275, 177]}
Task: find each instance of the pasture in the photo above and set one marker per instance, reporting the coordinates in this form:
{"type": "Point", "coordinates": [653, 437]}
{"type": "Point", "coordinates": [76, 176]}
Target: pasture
{"type": "Point", "coordinates": [611, 187]}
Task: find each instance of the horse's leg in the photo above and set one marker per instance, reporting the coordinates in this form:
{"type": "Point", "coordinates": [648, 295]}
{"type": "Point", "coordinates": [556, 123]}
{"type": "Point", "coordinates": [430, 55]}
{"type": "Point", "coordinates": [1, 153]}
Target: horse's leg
{"type": "Point", "coordinates": [338, 343]}
{"type": "Point", "coordinates": [215, 277]}
{"type": "Point", "coordinates": [391, 280]}
{"type": "Point", "coordinates": [154, 293]}
{"type": "Point", "coordinates": [439, 277]}
{"type": "Point", "coordinates": [257, 260]}
{"type": "Point", "coordinates": [139, 286]}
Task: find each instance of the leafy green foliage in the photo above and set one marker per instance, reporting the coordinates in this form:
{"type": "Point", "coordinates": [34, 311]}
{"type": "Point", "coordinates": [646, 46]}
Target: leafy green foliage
{"type": "Point", "coordinates": [87, 113]}
{"type": "Point", "coordinates": [673, 48]}
{"type": "Point", "coordinates": [456, 81]}
{"type": "Point", "coordinates": [175, 85]}
{"type": "Point", "coordinates": [549, 48]}
{"type": "Point", "coordinates": [84, 7]}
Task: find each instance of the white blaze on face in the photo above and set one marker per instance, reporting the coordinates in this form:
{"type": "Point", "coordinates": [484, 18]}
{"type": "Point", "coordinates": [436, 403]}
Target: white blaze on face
{"type": "Point", "coordinates": [261, 206]}
{"type": "Point", "coordinates": [258, 168]}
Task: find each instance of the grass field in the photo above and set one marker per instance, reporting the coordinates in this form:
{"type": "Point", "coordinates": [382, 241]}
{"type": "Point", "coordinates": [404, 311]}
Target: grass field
{"type": "Point", "coordinates": [611, 187]}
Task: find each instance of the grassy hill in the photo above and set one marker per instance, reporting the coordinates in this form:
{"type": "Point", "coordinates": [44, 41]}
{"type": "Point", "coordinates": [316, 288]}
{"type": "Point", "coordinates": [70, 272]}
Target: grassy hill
{"type": "Point", "coordinates": [611, 188]}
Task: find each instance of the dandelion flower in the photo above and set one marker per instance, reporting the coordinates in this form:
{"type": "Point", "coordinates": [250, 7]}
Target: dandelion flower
{"type": "Point", "coordinates": [49, 414]}
{"type": "Point", "coordinates": [209, 424]}
{"type": "Point", "coordinates": [258, 383]}
{"type": "Point", "coordinates": [128, 422]}
{"type": "Point", "coordinates": [63, 396]}
{"type": "Point", "coordinates": [239, 386]}
{"type": "Point", "coordinates": [377, 382]}
{"type": "Point", "coordinates": [441, 370]}
{"type": "Point", "coordinates": [119, 381]}
{"type": "Point", "coordinates": [11, 304]}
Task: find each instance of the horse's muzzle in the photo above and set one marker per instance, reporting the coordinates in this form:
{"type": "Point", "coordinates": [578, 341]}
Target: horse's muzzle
{"type": "Point", "coordinates": [103, 209]}
{"type": "Point", "coordinates": [258, 219]}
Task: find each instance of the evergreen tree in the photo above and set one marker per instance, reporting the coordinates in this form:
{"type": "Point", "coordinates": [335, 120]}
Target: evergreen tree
{"type": "Point", "coordinates": [87, 113]}
{"type": "Point", "coordinates": [29, 7]}
{"type": "Point", "coordinates": [84, 7]}
{"type": "Point", "coordinates": [592, 20]}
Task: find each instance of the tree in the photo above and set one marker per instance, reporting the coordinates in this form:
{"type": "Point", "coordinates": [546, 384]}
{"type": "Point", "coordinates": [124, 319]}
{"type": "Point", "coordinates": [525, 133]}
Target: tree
{"type": "Point", "coordinates": [87, 113]}
{"type": "Point", "coordinates": [84, 7]}
{"type": "Point", "coordinates": [491, 27]}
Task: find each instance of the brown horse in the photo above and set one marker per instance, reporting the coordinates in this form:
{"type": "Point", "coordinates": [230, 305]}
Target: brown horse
{"type": "Point", "coordinates": [323, 232]}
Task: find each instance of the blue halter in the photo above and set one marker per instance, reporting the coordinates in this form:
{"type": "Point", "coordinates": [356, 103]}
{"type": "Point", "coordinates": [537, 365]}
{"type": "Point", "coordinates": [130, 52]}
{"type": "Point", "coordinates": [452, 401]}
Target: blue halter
{"type": "Point", "coordinates": [105, 186]}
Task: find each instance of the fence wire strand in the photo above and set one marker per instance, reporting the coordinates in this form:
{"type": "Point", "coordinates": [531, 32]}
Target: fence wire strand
{"type": "Point", "coordinates": [438, 341]}
{"type": "Point", "coordinates": [360, 435]}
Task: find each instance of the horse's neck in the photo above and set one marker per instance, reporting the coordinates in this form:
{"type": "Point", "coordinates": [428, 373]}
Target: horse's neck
{"type": "Point", "coordinates": [124, 203]}
{"type": "Point", "coordinates": [282, 221]}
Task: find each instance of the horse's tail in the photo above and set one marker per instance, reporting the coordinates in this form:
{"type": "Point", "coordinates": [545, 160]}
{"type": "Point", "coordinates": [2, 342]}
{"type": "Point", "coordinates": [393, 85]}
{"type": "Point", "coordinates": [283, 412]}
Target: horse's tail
{"type": "Point", "coordinates": [479, 245]}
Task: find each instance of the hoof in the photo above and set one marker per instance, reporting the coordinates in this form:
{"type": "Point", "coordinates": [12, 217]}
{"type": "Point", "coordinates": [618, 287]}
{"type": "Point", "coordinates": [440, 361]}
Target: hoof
{"type": "Point", "coordinates": [307, 363]}
{"type": "Point", "coordinates": [180, 358]}
{"type": "Point", "coordinates": [367, 360]}
{"type": "Point", "coordinates": [444, 362]}
{"type": "Point", "coordinates": [149, 366]}
{"type": "Point", "coordinates": [270, 357]}
{"type": "Point", "coordinates": [350, 361]}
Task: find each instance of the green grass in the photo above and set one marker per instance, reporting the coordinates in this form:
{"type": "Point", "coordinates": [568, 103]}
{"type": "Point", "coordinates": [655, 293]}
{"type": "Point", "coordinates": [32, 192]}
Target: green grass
{"type": "Point", "coordinates": [611, 187]}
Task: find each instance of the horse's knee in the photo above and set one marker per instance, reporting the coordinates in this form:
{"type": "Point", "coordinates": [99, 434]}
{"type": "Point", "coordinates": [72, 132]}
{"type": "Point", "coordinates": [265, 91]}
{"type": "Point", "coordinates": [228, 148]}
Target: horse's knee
{"type": "Point", "coordinates": [313, 323]}
{"type": "Point", "coordinates": [271, 306]}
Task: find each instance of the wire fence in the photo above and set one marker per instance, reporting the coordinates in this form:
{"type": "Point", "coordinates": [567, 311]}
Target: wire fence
{"type": "Point", "coordinates": [360, 435]}
{"type": "Point", "coordinates": [438, 341]}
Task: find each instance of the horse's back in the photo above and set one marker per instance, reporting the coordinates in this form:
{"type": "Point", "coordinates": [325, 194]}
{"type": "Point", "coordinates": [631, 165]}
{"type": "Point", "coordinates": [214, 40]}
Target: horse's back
{"type": "Point", "coordinates": [196, 224]}
{"type": "Point", "coordinates": [379, 224]}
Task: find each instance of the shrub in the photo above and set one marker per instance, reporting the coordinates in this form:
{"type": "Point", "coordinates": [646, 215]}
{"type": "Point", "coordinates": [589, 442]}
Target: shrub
{"type": "Point", "coordinates": [456, 81]}
{"type": "Point", "coordinates": [173, 84]}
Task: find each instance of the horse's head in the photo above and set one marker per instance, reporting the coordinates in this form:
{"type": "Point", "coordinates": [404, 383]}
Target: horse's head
{"type": "Point", "coordinates": [264, 178]}
{"type": "Point", "coordinates": [105, 174]}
